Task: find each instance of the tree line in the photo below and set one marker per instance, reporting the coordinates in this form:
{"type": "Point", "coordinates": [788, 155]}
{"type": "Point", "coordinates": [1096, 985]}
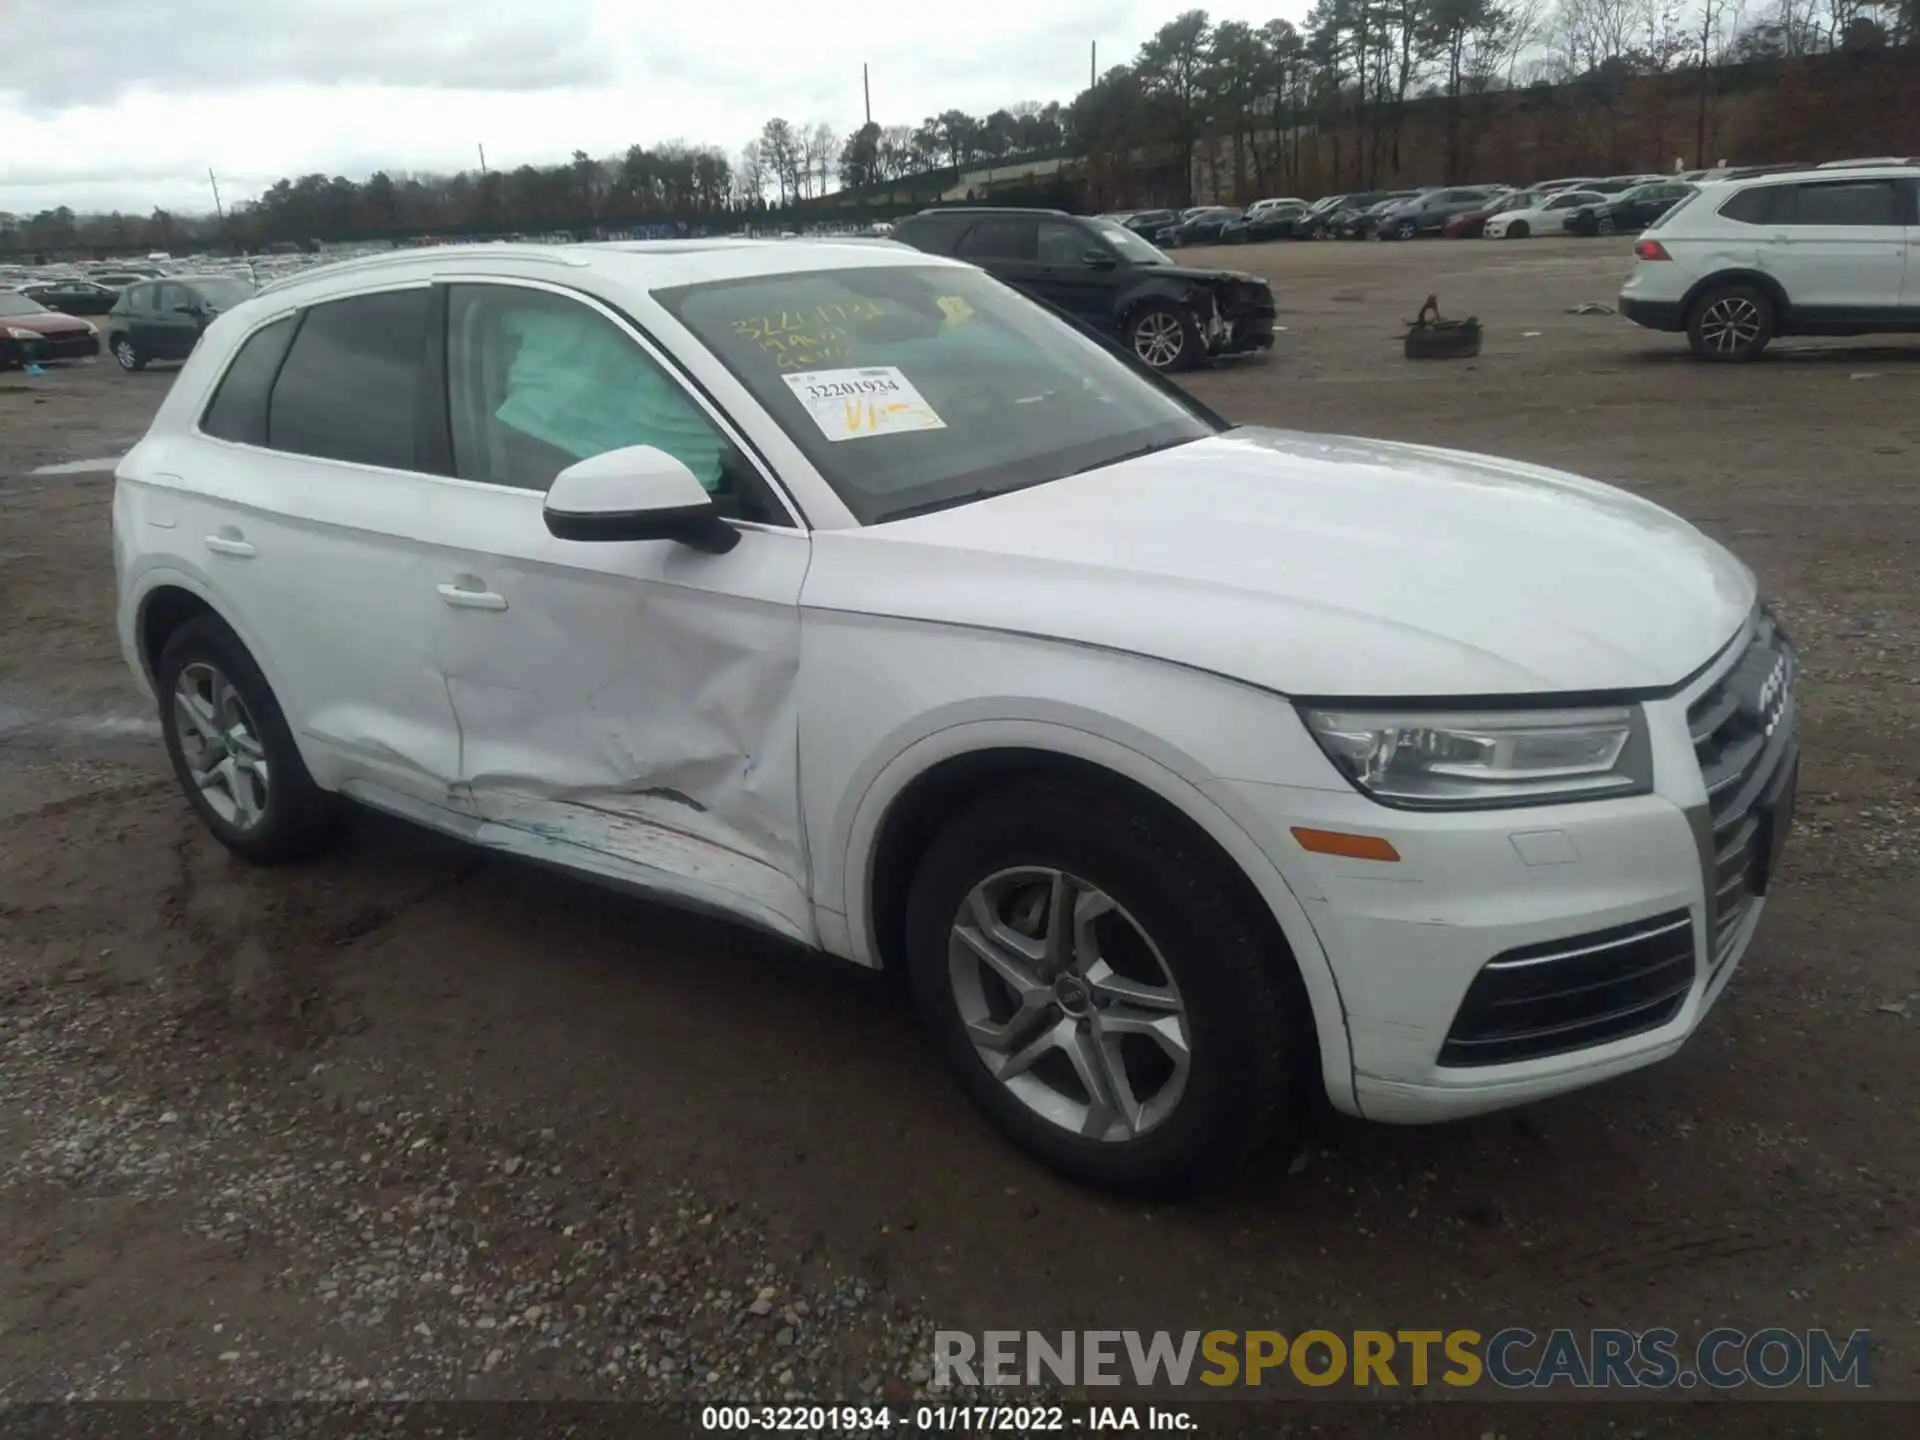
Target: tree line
{"type": "Point", "coordinates": [1245, 109]}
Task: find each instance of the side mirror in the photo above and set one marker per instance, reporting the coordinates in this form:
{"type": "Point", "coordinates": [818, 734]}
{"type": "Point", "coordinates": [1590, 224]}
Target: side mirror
{"type": "Point", "coordinates": [636, 493]}
{"type": "Point", "coordinates": [1097, 259]}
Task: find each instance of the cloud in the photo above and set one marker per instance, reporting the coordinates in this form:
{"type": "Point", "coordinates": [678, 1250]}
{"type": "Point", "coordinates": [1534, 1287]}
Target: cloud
{"type": "Point", "coordinates": [65, 53]}
{"type": "Point", "coordinates": [127, 103]}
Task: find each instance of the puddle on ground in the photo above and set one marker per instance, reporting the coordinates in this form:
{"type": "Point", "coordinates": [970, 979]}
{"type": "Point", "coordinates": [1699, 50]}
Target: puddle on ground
{"type": "Point", "coordinates": [18, 722]}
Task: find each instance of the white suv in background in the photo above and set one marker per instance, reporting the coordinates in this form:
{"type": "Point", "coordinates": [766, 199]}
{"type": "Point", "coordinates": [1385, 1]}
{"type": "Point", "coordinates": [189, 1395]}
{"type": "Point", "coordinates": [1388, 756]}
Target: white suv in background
{"type": "Point", "coordinates": [1831, 251]}
{"type": "Point", "coordinates": [838, 588]}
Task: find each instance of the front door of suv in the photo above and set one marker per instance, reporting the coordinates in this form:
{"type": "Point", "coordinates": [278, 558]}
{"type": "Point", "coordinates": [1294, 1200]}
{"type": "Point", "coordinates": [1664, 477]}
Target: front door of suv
{"type": "Point", "coordinates": [623, 707]}
{"type": "Point", "coordinates": [1839, 247]}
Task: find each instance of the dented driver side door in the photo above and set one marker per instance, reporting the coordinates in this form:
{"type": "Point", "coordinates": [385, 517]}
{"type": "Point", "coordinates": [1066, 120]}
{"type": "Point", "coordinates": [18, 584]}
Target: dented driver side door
{"type": "Point", "coordinates": [624, 708]}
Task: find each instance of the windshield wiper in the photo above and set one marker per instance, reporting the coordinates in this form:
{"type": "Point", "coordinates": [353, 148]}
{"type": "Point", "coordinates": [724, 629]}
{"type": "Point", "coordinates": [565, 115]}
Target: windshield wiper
{"type": "Point", "coordinates": [1152, 448]}
{"type": "Point", "coordinates": [947, 502]}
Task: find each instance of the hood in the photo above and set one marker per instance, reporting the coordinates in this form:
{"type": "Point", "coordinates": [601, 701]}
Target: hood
{"type": "Point", "coordinates": [51, 323]}
{"type": "Point", "coordinates": [1321, 566]}
{"type": "Point", "coordinates": [1203, 276]}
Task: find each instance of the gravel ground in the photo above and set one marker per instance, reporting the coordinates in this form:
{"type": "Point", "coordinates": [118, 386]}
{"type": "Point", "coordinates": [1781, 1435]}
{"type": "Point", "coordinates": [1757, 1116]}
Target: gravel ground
{"type": "Point", "coordinates": [416, 1123]}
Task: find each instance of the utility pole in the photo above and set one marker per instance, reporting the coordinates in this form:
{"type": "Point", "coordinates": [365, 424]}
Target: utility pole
{"type": "Point", "coordinates": [866, 92]}
{"type": "Point", "coordinates": [1093, 64]}
{"type": "Point", "coordinates": [483, 158]}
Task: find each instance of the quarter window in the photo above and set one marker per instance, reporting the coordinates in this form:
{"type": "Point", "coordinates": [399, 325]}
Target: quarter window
{"type": "Point", "coordinates": [239, 408]}
{"type": "Point", "coordinates": [537, 382]}
{"type": "Point", "coordinates": [350, 385]}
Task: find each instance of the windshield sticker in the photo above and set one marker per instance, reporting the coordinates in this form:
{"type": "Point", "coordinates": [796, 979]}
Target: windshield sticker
{"type": "Point", "coordinates": [800, 339]}
{"type": "Point", "coordinates": [955, 309]}
{"type": "Point", "coordinates": [854, 404]}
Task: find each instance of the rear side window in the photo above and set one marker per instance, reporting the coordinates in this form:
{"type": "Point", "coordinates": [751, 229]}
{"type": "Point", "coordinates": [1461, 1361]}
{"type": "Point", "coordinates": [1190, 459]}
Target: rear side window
{"type": "Point", "coordinates": [1000, 240]}
{"type": "Point", "coordinates": [349, 387]}
{"type": "Point", "coordinates": [1861, 202]}
{"type": "Point", "coordinates": [239, 408]}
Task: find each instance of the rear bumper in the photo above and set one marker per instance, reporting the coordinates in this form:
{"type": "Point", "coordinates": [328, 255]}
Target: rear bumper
{"type": "Point", "coordinates": [1654, 314]}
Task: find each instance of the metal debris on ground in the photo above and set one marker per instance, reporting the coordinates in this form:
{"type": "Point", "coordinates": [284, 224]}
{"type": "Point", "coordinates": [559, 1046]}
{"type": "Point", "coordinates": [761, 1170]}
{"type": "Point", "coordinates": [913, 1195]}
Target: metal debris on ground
{"type": "Point", "coordinates": [1429, 337]}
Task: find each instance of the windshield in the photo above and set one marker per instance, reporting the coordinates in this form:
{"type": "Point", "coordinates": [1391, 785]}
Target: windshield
{"type": "Point", "coordinates": [221, 292]}
{"type": "Point", "coordinates": [1129, 244]}
{"type": "Point", "coordinates": [914, 388]}
{"type": "Point", "coordinates": [14, 304]}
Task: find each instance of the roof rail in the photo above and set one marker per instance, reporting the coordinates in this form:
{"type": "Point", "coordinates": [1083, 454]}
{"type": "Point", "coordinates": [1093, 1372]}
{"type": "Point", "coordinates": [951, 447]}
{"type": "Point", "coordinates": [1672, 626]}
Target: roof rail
{"type": "Point", "coordinates": [550, 254]}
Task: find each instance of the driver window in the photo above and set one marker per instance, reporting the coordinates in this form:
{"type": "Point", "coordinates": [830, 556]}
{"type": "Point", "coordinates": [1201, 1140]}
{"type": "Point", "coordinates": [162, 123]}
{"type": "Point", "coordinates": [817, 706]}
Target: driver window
{"type": "Point", "coordinates": [536, 381]}
{"type": "Point", "coordinates": [1063, 244]}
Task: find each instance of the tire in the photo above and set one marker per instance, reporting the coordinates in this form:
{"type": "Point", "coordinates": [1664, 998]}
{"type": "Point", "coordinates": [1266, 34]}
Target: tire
{"type": "Point", "coordinates": [1167, 332]}
{"type": "Point", "coordinates": [1731, 324]}
{"type": "Point", "coordinates": [1407, 230]}
{"type": "Point", "coordinates": [265, 806]}
{"type": "Point", "coordinates": [127, 353]}
{"type": "Point", "coordinates": [1518, 230]}
{"type": "Point", "coordinates": [1603, 224]}
{"type": "Point", "coordinates": [1173, 924]}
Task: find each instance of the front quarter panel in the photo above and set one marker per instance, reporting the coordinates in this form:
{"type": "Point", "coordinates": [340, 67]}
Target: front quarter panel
{"type": "Point", "coordinates": [883, 701]}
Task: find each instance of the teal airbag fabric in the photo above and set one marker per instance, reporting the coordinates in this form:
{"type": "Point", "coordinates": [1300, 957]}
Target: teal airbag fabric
{"type": "Point", "coordinates": [584, 389]}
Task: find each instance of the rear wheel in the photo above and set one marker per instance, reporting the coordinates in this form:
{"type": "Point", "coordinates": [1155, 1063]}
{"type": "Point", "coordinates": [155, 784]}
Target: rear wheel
{"type": "Point", "coordinates": [127, 353]}
{"type": "Point", "coordinates": [1101, 994]}
{"type": "Point", "coordinates": [1732, 323]}
{"type": "Point", "coordinates": [232, 751]}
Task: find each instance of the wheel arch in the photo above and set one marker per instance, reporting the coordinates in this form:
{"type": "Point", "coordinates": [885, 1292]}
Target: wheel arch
{"type": "Point", "coordinates": [1758, 279]}
{"type": "Point", "coordinates": [933, 779]}
{"type": "Point", "coordinates": [169, 599]}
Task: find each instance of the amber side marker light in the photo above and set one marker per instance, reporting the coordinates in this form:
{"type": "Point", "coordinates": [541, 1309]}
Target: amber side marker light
{"type": "Point", "coordinates": [1338, 842]}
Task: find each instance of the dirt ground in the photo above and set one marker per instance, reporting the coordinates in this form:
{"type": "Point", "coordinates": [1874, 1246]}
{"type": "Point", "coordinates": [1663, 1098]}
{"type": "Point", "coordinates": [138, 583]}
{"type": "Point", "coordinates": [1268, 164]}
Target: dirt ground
{"type": "Point", "coordinates": [416, 1122]}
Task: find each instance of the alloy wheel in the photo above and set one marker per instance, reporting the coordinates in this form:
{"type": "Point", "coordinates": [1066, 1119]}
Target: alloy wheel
{"type": "Point", "coordinates": [221, 745]}
{"type": "Point", "coordinates": [1068, 1003]}
{"type": "Point", "coordinates": [1159, 338]}
{"type": "Point", "coordinates": [1730, 324]}
{"type": "Point", "coordinates": [1604, 223]}
{"type": "Point", "coordinates": [125, 354]}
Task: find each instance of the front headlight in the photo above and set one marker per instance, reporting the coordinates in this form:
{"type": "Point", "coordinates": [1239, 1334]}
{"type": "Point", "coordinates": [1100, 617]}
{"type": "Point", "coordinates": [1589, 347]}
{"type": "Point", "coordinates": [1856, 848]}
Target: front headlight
{"type": "Point", "coordinates": [14, 332]}
{"type": "Point", "coordinates": [1438, 760]}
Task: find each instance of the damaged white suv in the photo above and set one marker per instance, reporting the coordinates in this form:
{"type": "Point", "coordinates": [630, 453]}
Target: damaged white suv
{"type": "Point", "coordinates": [1183, 767]}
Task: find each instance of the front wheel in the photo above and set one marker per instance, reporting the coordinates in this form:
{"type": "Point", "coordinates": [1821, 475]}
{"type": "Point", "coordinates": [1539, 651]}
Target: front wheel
{"type": "Point", "coordinates": [1100, 993]}
{"type": "Point", "coordinates": [1733, 323]}
{"type": "Point", "coordinates": [1517, 230]}
{"type": "Point", "coordinates": [1407, 230]}
{"type": "Point", "coordinates": [1604, 224]}
{"type": "Point", "coordinates": [128, 354]}
{"type": "Point", "coordinates": [1164, 338]}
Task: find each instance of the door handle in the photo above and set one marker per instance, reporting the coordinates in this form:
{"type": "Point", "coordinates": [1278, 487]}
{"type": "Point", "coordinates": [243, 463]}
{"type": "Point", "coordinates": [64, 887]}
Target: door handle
{"type": "Point", "coordinates": [228, 542]}
{"type": "Point", "coordinates": [471, 599]}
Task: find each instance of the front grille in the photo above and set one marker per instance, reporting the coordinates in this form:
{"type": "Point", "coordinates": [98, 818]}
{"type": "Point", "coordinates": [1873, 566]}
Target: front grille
{"type": "Point", "coordinates": [1742, 731]}
{"type": "Point", "coordinates": [68, 346]}
{"type": "Point", "coordinates": [1569, 994]}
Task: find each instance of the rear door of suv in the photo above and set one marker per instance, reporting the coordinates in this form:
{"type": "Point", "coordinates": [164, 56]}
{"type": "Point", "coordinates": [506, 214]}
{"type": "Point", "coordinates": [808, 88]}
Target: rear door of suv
{"type": "Point", "coordinates": [1838, 247]}
{"type": "Point", "coordinates": [313, 506]}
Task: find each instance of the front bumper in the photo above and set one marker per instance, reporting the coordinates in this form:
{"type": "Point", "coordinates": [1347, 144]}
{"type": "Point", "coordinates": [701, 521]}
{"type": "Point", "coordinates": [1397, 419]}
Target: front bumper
{"type": "Point", "coordinates": [1513, 955]}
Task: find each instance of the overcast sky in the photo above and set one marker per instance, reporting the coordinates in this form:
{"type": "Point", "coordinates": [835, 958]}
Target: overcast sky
{"type": "Point", "coordinates": [124, 104]}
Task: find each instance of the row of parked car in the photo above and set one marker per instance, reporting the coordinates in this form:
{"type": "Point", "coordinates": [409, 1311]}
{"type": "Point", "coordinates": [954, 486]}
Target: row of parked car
{"type": "Point", "coordinates": [1573, 205]}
